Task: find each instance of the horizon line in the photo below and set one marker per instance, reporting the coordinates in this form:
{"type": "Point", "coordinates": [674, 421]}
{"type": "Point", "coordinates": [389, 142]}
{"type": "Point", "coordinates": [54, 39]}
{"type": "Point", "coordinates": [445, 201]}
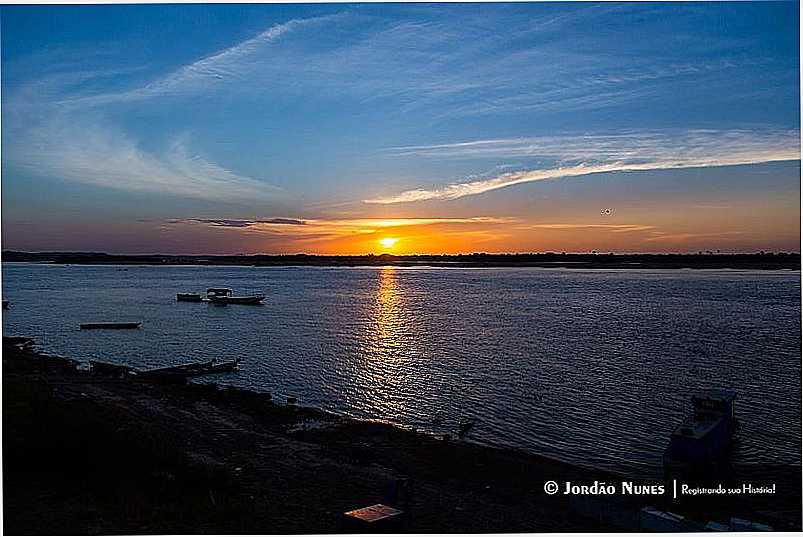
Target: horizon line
{"type": "Point", "coordinates": [389, 254]}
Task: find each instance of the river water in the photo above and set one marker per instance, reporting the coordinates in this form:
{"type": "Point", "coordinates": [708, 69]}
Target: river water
{"type": "Point", "coordinates": [589, 366]}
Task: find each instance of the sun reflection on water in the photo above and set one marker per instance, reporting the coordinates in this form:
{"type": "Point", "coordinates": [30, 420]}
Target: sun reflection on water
{"type": "Point", "coordinates": [384, 372]}
{"type": "Point", "coordinates": [388, 315]}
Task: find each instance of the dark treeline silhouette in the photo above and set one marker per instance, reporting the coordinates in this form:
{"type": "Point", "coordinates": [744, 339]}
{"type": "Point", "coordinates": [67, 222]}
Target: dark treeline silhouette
{"type": "Point", "coordinates": [700, 260]}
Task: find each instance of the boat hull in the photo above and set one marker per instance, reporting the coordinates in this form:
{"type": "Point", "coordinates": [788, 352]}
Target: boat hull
{"type": "Point", "coordinates": [196, 369]}
{"type": "Point", "coordinates": [110, 326]}
{"type": "Point", "coordinates": [252, 300]}
{"type": "Point", "coordinates": [684, 454]}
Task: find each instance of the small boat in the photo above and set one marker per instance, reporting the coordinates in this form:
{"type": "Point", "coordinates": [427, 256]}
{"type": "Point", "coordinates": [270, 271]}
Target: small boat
{"type": "Point", "coordinates": [5, 304]}
{"type": "Point", "coordinates": [702, 439]}
{"type": "Point", "coordinates": [111, 326]}
{"type": "Point", "coordinates": [53, 362]}
{"type": "Point", "coordinates": [20, 342]}
{"type": "Point", "coordinates": [183, 369]}
{"type": "Point", "coordinates": [224, 367]}
{"type": "Point", "coordinates": [464, 427]}
{"type": "Point", "coordinates": [194, 369]}
{"type": "Point", "coordinates": [188, 297]}
{"type": "Point", "coordinates": [114, 370]}
{"type": "Point", "coordinates": [222, 295]}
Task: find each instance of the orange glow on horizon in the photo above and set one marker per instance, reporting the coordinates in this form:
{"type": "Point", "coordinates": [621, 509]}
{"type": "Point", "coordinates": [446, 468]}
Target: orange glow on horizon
{"type": "Point", "coordinates": [638, 230]}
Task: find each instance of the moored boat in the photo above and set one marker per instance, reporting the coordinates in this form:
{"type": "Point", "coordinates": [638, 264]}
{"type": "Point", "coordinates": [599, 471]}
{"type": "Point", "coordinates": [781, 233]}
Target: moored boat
{"type": "Point", "coordinates": [223, 295]}
{"type": "Point", "coordinates": [224, 367]}
{"type": "Point", "coordinates": [188, 297]}
{"type": "Point", "coordinates": [21, 342]}
{"type": "Point", "coordinates": [182, 369]}
{"type": "Point", "coordinates": [112, 326]}
{"type": "Point", "coordinates": [194, 369]}
{"type": "Point", "coordinates": [702, 439]}
{"type": "Point", "coordinates": [105, 368]}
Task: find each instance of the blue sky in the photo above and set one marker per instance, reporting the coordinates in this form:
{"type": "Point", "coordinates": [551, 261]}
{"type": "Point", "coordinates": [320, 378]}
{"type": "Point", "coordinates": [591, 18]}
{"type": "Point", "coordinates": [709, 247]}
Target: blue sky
{"type": "Point", "coordinates": [192, 128]}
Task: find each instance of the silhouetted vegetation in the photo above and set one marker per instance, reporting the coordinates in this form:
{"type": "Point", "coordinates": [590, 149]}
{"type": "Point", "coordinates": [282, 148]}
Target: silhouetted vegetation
{"type": "Point", "coordinates": [700, 260]}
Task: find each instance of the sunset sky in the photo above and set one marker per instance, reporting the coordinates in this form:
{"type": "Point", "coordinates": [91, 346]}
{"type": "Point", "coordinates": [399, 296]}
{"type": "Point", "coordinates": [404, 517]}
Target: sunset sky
{"type": "Point", "coordinates": [357, 128]}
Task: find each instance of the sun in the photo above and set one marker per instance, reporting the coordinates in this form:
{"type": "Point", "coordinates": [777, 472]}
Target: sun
{"type": "Point", "coordinates": [388, 243]}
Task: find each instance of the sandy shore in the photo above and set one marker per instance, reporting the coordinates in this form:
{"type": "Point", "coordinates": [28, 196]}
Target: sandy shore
{"type": "Point", "coordinates": [85, 454]}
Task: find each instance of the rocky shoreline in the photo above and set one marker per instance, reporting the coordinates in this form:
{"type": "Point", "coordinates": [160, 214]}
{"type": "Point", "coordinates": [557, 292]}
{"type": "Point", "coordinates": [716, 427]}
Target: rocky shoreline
{"type": "Point", "coordinates": [88, 454]}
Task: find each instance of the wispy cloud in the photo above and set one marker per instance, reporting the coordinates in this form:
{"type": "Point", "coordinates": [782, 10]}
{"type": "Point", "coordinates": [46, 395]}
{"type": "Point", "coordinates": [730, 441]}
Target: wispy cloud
{"type": "Point", "coordinates": [462, 234]}
{"type": "Point", "coordinates": [333, 228]}
{"type": "Point", "coordinates": [59, 130]}
{"type": "Point", "coordinates": [89, 153]}
{"type": "Point", "coordinates": [614, 228]}
{"type": "Point", "coordinates": [628, 145]}
{"type": "Point", "coordinates": [238, 224]}
{"type": "Point", "coordinates": [344, 235]}
{"type": "Point", "coordinates": [234, 64]}
{"type": "Point", "coordinates": [73, 124]}
{"type": "Point", "coordinates": [574, 156]}
{"type": "Point", "coordinates": [421, 63]}
{"type": "Point", "coordinates": [681, 237]}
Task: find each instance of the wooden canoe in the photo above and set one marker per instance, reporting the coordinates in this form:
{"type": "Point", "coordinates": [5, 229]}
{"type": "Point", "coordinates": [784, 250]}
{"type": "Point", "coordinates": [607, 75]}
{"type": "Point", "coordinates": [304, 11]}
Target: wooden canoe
{"type": "Point", "coordinates": [111, 326]}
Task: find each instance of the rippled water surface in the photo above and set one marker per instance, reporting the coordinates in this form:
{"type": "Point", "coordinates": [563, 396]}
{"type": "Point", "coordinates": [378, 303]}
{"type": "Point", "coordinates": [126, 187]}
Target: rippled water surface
{"type": "Point", "coordinates": [593, 367]}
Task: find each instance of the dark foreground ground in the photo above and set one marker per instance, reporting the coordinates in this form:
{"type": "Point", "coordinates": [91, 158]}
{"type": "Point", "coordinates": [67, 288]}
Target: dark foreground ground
{"type": "Point", "coordinates": [84, 454]}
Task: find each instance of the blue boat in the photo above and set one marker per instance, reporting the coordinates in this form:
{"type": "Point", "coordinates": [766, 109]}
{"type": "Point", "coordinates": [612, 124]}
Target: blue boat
{"type": "Point", "coordinates": [702, 440]}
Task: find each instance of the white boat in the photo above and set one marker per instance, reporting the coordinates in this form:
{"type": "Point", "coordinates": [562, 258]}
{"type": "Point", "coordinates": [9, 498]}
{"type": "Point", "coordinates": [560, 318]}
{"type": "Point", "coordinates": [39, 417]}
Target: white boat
{"type": "Point", "coordinates": [223, 295]}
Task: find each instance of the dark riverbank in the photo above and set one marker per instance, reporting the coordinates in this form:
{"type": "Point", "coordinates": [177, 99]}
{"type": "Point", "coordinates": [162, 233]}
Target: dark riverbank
{"type": "Point", "coordinates": [701, 260]}
{"type": "Point", "coordinates": [86, 454]}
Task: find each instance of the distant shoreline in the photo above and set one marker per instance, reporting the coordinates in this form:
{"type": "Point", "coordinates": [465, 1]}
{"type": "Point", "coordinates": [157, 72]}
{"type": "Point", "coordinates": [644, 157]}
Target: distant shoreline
{"type": "Point", "coordinates": [709, 260]}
